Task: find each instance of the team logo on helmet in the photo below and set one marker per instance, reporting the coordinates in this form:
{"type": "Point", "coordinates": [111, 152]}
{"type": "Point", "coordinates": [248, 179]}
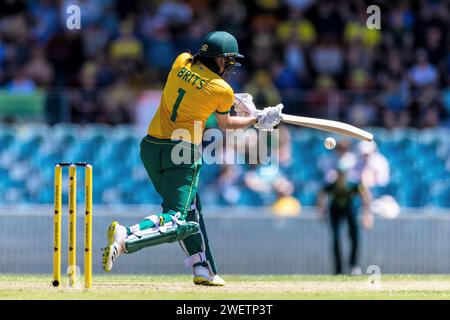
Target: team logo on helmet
{"type": "Point", "coordinates": [204, 47]}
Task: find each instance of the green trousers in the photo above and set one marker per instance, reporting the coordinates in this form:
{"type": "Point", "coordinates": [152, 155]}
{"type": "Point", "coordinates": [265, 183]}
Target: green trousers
{"type": "Point", "coordinates": [177, 183]}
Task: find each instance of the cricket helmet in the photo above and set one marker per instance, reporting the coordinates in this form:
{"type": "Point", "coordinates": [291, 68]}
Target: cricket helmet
{"type": "Point", "coordinates": [219, 44]}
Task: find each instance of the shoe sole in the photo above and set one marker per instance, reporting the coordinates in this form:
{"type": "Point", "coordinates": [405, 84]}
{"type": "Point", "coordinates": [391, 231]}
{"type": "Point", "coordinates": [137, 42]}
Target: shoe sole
{"type": "Point", "coordinates": [204, 282]}
{"type": "Point", "coordinates": [108, 248]}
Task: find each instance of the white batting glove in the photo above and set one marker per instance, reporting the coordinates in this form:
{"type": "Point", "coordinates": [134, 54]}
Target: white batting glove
{"type": "Point", "coordinates": [268, 117]}
{"type": "Point", "coordinates": [243, 104]}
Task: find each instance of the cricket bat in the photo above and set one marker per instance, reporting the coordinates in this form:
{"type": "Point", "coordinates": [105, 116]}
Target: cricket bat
{"type": "Point", "coordinates": [328, 125]}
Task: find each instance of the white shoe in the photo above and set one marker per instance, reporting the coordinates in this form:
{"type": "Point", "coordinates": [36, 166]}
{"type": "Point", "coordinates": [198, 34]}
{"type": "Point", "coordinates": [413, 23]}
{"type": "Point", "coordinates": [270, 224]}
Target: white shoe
{"type": "Point", "coordinates": [202, 276]}
{"type": "Point", "coordinates": [356, 271]}
{"type": "Point", "coordinates": [115, 245]}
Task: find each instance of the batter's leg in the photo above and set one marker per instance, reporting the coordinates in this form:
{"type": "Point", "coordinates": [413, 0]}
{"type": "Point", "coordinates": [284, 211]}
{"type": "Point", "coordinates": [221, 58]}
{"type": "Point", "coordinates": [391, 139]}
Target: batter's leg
{"type": "Point", "coordinates": [198, 252]}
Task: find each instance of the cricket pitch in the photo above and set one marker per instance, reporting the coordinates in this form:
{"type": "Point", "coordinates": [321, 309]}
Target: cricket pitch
{"type": "Point", "coordinates": [238, 287]}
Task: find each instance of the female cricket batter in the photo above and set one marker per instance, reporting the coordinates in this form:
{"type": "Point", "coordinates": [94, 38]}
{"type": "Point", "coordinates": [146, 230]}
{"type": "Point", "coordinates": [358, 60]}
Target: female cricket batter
{"type": "Point", "coordinates": [194, 90]}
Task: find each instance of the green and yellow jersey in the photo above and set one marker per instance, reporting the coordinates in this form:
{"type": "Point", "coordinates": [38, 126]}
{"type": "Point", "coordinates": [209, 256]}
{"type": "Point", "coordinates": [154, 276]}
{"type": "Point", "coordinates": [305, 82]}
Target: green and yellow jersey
{"type": "Point", "coordinates": [191, 94]}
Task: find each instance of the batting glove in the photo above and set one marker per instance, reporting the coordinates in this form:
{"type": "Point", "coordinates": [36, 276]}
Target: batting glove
{"type": "Point", "coordinates": [243, 104]}
{"type": "Point", "coordinates": [268, 118]}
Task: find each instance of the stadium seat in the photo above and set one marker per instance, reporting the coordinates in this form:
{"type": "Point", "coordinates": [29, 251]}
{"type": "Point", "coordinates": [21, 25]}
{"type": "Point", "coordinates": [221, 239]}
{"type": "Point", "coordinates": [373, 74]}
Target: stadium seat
{"type": "Point", "coordinates": [418, 159]}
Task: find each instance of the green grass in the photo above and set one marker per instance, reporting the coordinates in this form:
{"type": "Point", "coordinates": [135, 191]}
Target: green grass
{"type": "Point", "coordinates": [238, 287]}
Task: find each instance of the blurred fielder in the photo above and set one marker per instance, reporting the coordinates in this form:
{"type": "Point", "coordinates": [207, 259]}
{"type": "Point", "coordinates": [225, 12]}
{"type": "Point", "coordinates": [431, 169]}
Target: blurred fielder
{"type": "Point", "coordinates": [195, 89]}
{"type": "Point", "coordinates": [341, 207]}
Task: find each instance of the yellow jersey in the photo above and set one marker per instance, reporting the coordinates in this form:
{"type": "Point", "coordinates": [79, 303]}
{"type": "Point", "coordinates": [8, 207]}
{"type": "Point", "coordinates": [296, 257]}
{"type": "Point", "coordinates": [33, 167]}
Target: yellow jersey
{"type": "Point", "coordinates": [191, 95]}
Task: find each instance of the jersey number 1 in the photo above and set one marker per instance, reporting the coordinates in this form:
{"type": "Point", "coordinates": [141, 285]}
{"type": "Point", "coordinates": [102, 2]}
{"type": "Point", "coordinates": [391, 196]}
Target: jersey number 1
{"type": "Point", "coordinates": [176, 105]}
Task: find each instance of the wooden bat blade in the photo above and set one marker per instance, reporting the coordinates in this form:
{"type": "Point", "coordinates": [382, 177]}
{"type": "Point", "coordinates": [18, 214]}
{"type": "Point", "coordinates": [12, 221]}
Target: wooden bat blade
{"type": "Point", "coordinates": [328, 125]}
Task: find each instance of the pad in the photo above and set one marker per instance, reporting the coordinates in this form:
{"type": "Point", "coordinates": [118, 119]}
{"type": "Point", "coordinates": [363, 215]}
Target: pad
{"type": "Point", "coordinates": [172, 231]}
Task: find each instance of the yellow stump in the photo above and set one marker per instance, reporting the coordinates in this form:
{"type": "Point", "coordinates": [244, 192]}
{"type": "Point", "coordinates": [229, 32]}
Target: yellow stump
{"type": "Point", "coordinates": [57, 227]}
{"type": "Point", "coordinates": [88, 228]}
{"type": "Point", "coordinates": [72, 255]}
{"type": "Point", "coordinates": [72, 234]}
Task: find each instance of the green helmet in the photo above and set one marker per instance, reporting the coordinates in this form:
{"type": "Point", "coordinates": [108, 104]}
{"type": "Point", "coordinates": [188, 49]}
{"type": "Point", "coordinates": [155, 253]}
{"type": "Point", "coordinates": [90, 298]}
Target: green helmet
{"type": "Point", "coordinates": [219, 43]}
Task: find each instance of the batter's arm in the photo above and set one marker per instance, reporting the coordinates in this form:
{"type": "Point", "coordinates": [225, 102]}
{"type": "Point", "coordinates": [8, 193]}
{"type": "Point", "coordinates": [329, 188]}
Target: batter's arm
{"type": "Point", "coordinates": [226, 121]}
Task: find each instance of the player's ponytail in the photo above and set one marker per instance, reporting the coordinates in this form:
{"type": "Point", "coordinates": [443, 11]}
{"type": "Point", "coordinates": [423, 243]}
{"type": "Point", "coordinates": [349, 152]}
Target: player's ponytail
{"type": "Point", "coordinates": [193, 59]}
{"type": "Point", "coordinates": [209, 62]}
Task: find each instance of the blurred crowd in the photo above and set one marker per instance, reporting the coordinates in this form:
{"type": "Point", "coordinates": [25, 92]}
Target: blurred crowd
{"type": "Point", "coordinates": [317, 56]}
{"type": "Point", "coordinates": [296, 174]}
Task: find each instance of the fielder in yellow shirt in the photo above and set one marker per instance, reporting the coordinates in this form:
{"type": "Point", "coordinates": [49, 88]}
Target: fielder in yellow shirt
{"type": "Point", "coordinates": [195, 89]}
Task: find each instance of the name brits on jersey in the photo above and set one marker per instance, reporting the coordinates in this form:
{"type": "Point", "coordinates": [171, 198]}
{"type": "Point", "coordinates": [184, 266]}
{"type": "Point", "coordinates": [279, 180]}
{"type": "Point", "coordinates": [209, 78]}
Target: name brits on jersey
{"type": "Point", "coordinates": [187, 76]}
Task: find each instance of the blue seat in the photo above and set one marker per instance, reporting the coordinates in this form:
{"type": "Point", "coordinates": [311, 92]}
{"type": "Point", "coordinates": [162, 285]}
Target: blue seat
{"type": "Point", "coordinates": [308, 199]}
{"type": "Point", "coordinates": [410, 196]}
{"type": "Point", "coordinates": [249, 198]}
{"type": "Point", "coordinates": [419, 175]}
{"type": "Point", "coordinates": [6, 140]}
{"type": "Point", "coordinates": [441, 200]}
{"type": "Point", "coordinates": [209, 173]}
{"type": "Point", "coordinates": [45, 196]}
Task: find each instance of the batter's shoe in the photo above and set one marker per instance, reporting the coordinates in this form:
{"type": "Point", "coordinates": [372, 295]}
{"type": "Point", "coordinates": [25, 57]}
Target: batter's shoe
{"type": "Point", "coordinates": [115, 245]}
{"type": "Point", "coordinates": [203, 277]}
